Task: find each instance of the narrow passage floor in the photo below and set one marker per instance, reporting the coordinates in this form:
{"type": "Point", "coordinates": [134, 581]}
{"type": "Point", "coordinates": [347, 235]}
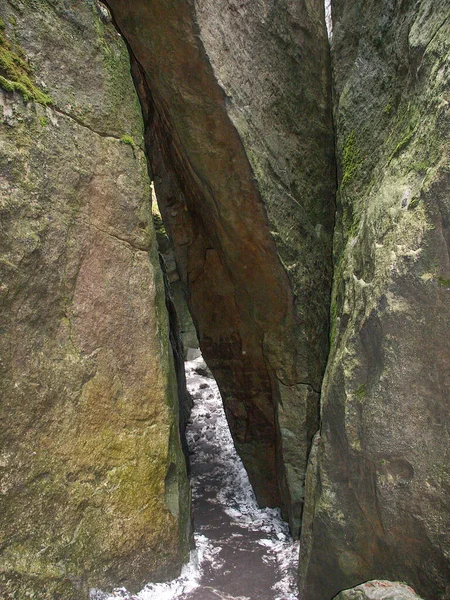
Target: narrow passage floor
{"type": "Point", "coordinates": [242, 552]}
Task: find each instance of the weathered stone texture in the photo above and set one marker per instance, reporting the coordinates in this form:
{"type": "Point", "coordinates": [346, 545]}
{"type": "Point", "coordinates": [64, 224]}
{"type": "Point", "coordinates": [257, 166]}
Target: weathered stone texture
{"type": "Point", "coordinates": [379, 590]}
{"type": "Point", "coordinates": [93, 480]}
{"type": "Point", "coordinates": [272, 61]}
{"type": "Point", "coordinates": [240, 143]}
{"type": "Point", "coordinates": [380, 505]}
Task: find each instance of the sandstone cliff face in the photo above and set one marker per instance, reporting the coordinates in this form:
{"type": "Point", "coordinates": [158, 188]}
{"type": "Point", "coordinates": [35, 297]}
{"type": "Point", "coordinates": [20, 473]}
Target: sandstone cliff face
{"type": "Point", "coordinates": [240, 143]}
{"type": "Point", "coordinates": [378, 482]}
{"type": "Point", "coordinates": [93, 480]}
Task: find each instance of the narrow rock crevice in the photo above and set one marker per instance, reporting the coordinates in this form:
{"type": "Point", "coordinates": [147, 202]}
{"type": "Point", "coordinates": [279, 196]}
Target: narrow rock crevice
{"type": "Point", "coordinates": [248, 308]}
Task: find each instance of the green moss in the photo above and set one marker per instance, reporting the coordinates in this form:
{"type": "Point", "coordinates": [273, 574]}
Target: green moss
{"type": "Point", "coordinates": [158, 224]}
{"type": "Point", "coordinates": [43, 121]}
{"type": "Point", "coordinates": [360, 391]}
{"type": "Point", "coordinates": [414, 203]}
{"type": "Point", "coordinates": [388, 109]}
{"type": "Point", "coordinates": [127, 139]}
{"type": "Point", "coordinates": [420, 167]}
{"type": "Point", "coordinates": [402, 145]}
{"type": "Point", "coordinates": [443, 281]}
{"type": "Point", "coordinates": [350, 220]}
{"type": "Point", "coordinates": [351, 158]}
{"type": "Point", "coordinates": [25, 586]}
{"type": "Point", "coordinates": [6, 85]}
{"type": "Point", "coordinates": [16, 74]}
{"type": "Point", "coordinates": [333, 316]}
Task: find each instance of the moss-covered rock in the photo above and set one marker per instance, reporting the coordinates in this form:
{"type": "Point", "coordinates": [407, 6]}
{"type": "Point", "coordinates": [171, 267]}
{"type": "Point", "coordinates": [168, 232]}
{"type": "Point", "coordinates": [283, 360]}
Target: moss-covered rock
{"type": "Point", "coordinates": [94, 490]}
{"type": "Point", "coordinates": [15, 72]}
{"type": "Point", "coordinates": [381, 506]}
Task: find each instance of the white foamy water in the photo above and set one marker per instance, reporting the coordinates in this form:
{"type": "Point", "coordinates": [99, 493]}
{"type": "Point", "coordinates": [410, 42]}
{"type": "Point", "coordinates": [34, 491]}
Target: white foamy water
{"type": "Point", "coordinates": [242, 552]}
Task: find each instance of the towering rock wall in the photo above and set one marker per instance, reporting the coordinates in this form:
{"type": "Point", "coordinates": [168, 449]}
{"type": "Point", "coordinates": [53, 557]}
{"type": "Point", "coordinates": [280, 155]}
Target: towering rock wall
{"type": "Point", "coordinates": [93, 481]}
{"type": "Point", "coordinates": [272, 61]}
{"type": "Point", "coordinates": [379, 479]}
{"type": "Point", "coordinates": [238, 122]}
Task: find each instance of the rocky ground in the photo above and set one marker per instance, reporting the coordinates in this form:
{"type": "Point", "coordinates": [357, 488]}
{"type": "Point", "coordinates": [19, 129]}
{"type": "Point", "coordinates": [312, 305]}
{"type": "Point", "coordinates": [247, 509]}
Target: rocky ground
{"type": "Point", "coordinates": [242, 552]}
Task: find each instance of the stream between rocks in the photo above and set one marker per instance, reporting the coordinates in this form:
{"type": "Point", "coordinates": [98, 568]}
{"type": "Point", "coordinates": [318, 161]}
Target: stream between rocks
{"type": "Point", "coordinates": [242, 552]}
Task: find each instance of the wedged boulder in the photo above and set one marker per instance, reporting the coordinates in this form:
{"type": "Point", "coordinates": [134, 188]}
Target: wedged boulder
{"type": "Point", "coordinates": [379, 590]}
{"type": "Point", "coordinates": [93, 489]}
{"type": "Point", "coordinates": [380, 506]}
{"type": "Point", "coordinates": [237, 102]}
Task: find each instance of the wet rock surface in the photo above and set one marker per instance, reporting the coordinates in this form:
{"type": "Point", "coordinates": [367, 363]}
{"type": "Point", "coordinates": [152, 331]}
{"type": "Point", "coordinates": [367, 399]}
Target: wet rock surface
{"type": "Point", "coordinates": [379, 590]}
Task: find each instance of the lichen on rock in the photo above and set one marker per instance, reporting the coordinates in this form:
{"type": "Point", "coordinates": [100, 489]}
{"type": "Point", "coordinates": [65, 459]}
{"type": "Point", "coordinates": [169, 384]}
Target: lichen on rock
{"type": "Point", "coordinates": [89, 396]}
{"type": "Point", "coordinates": [380, 507]}
{"type": "Point", "coordinates": [15, 72]}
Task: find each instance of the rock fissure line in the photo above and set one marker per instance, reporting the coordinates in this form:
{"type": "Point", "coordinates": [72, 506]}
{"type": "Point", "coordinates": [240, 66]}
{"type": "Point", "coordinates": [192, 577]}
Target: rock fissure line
{"type": "Point", "coordinates": [81, 123]}
{"type": "Point", "coordinates": [140, 248]}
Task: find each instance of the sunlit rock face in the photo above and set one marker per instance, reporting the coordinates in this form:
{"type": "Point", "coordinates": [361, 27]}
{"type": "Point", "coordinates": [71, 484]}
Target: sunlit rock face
{"type": "Point", "coordinates": [238, 125]}
{"type": "Point", "coordinates": [93, 481]}
{"type": "Point", "coordinates": [378, 501]}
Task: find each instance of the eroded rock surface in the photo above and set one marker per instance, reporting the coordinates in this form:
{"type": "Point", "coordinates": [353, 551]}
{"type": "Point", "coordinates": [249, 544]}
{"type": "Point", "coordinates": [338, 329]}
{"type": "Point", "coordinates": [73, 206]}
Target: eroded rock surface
{"type": "Point", "coordinates": [379, 590]}
{"type": "Point", "coordinates": [239, 132]}
{"type": "Point", "coordinates": [379, 503]}
{"type": "Point", "coordinates": [93, 480]}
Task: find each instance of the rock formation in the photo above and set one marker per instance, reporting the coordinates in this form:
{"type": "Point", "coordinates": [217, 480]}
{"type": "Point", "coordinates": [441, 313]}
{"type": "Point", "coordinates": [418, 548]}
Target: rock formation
{"type": "Point", "coordinates": [378, 503]}
{"type": "Point", "coordinates": [234, 124]}
{"type": "Point", "coordinates": [237, 109]}
{"type": "Point", "coordinates": [94, 490]}
{"type": "Point", "coordinates": [178, 292]}
{"type": "Point", "coordinates": [379, 590]}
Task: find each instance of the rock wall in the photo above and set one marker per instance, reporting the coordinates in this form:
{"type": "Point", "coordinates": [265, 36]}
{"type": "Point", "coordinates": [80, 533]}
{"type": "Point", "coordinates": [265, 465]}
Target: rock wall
{"type": "Point", "coordinates": [378, 481]}
{"type": "Point", "coordinates": [238, 135]}
{"type": "Point", "coordinates": [191, 346]}
{"type": "Point", "coordinates": [93, 480]}
{"type": "Point", "coordinates": [379, 590]}
{"type": "Point", "coordinates": [238, 122]}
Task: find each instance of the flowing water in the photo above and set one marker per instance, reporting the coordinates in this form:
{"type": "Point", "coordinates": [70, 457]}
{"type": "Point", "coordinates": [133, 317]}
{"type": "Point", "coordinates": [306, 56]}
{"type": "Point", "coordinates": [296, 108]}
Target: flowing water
{"type": "Point", "coordinates": [242, 552]}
